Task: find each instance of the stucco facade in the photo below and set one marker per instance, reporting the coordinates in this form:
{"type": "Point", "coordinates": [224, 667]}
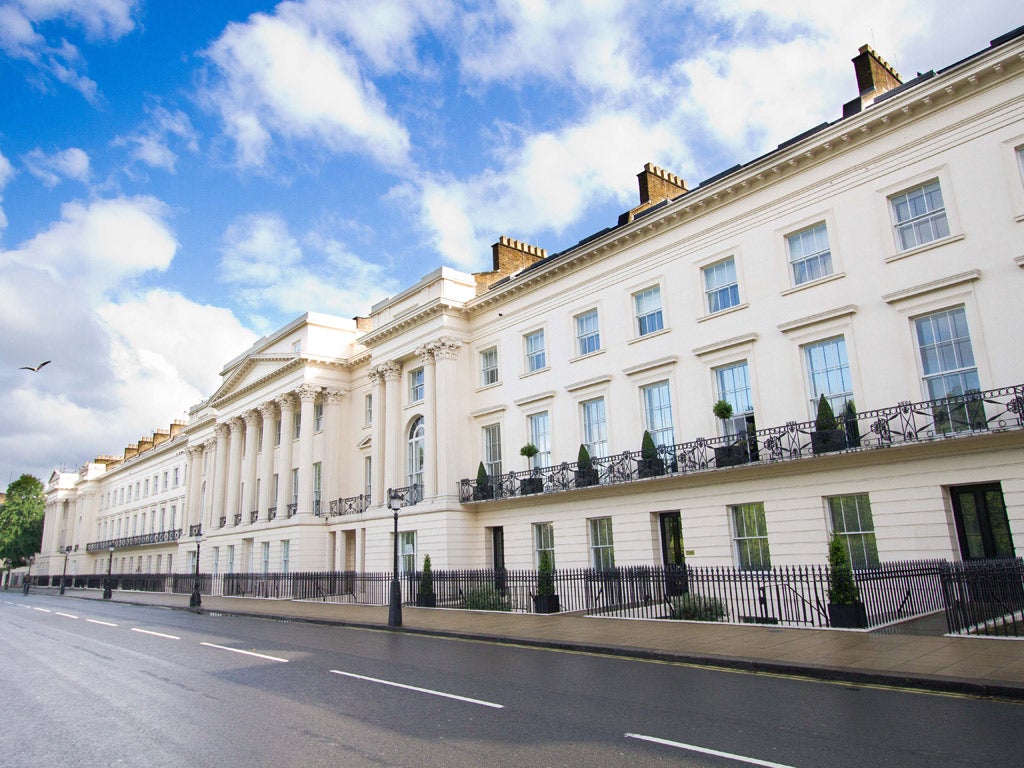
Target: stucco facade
{"type": "Point", "coordinates": [878, 259]}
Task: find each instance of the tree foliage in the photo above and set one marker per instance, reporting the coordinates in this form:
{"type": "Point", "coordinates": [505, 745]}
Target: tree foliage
{"type": "Point", "coordinates": [21, 521]}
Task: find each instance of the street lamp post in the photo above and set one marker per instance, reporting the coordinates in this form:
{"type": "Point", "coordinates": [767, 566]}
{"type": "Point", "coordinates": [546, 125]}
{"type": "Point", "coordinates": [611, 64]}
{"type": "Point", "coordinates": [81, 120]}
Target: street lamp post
{"type": "Point", "coordinates": [107, 590]}
{"type": "Point", "coordinates": [64, 573]}
{"type": "Point", "coordinates": [196, 601]}
{"type": "Point", "coordinates": [395, 608]}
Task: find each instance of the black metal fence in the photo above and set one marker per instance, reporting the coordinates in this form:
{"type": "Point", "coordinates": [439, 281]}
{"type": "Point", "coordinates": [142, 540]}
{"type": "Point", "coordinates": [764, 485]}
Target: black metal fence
{"type": "Point", "coordinates": [976, 412]}
{"type": "Point", "coordinates": [984, 597]}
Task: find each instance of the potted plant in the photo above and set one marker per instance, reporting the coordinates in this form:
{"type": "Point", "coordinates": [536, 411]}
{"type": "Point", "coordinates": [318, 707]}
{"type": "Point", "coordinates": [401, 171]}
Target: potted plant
{"type": "Point", "coordinates": [483, 488]}
{"type": "Point", "coordinates": [650, 463]}
{"type": "Point", "coordinates": [534, 483]}
{"type": "Point", "coordinates": [850, 425]}
{"type": "Point", "coordinates": [425, 597]}
{"type": "Point", "coordinates": [545, 601]}
{"type": "Point", "coordinates": [826, 436]}
{"type": "Point", "coordinates": [734, 453]}
{"type": "Point", "coordinates": [585, 473]}
{"type": "Point", "coordinates": [844, 606]}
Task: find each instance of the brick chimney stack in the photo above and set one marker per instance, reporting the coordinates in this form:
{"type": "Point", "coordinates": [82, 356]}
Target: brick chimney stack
{"type": "Point", "coordinates": [508, 257]}
{"type": "Point", "coordinates": [875, 75]}
{"type": "Point", "coordinates": [656, 184]}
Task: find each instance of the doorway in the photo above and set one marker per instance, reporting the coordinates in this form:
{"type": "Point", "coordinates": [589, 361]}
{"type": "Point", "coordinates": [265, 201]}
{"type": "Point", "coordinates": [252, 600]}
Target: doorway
{"type": "Point", "coordinates": [982, 526]}
{"type": "Point", "coordinates": [498, 557]}
{"type": "Point", "coordinates": [672, 555]}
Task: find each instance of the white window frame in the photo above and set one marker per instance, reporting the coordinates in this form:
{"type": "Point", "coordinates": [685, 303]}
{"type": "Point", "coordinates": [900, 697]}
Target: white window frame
{"type": "Point", "coordinates": [738, 394]}
{"type": "Point", "coordinates": [535, 352]}
{"type": "Point", "coordinates": [929, 225]}
{"type": "Point", "coordinates": [266, 557]}
{"type": "Point", "coordinates": [543, 540]}
{"type": "Point", "coordinates": [317, 481]}
{"type": "Point", "coordinates": [296, 424]}
{"type": "Point", "coordinates": [602, 543]}
{"type": "Point", "coordinates": [594, 430]}
{"type": "Point", "coordinates": [851, 511]}
{"type": "Point", "coordinates": [744, 538]}
{"type": "Point", "coordinates": [648, 311]}
{"type": "Point", "coordinates": [836, 396]}
{"type": "Point", "coordinates": [539, 428]}
{"type": "Point", "coordinates": [587, 326]}
{"type": "Point", "coordinates": [656, 400]}
{"type": "Point", "coordinates": [406, 552]}
{"type": "Point", "coordinates": [417, 378]}
{"type": "Point", "coordinates": [286, 555]}
{"type": "Point", "coordinates": [820, 255]}
{"type": "Point", "coordinates": [491, 437]}
{"type": "Point", "coordinates": [489, 374]}
{"type": "Point", "coordinates": [318, 417]}
{"type": "Point", "coordinates": [965, 371]}
{"type": "Point", "coordinates": [368, 410]}
{"type": "Point", "coordinates": [716, 281]}
{"type": "Point", "coordinates": [416, 446]}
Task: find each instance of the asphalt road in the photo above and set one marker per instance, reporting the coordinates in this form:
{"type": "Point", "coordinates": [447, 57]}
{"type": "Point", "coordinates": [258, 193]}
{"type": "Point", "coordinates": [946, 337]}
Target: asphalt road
{"type": "Point", "coordinates": [86, 683]}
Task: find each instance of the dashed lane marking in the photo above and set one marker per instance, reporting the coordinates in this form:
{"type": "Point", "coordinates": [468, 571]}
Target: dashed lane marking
{"type": "Point", "coordinates": [706, 751]}
{"type": "Point", "coordinates": [155, 634]}
{"type": "Point", "coordinates": [420, 690]}
{"type": "Point", "coordinates": [102, 623]}
{"type": "Point", "coordinates": [247, 653]}
{"type": "Point", "coordinates": [66, 615]}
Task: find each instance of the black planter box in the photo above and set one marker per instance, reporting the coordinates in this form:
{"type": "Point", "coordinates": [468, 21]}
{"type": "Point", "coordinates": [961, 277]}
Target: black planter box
{"type": "Point", "coordinates": [847, 616]}
{"type": "Point", "coordinates": [731, 455]}
{"type": "Point", "coordinates": [426, 601]}
{"type": "Point", "coordinates": [482, 492]}
{"type": "Point", "coordinates": [828, 440]}
{"type": "Point", "coordinates": [852, 433]}
{"type": "Point", "coordinates": [545, 604]}
{"type": "Point", "coordinates": [530, 485]}
{"type": "Point", "coordinates": [585, 477]}
{"type": "Point", "coordinates": [650, 467]}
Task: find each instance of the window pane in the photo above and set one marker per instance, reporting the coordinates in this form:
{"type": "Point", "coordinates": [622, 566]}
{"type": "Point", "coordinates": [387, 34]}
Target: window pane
{"type": "Point", "coordinates": [540, 436]}
{"type": "Point", "coordinates": [535, 357]}
{"type": "Point", "coordinates": [828, 373]}
{"type": "Point", "coordinates": [489, 366]}
{"type": "Point", "coordinates": [648, 311]}
{"type": "Point", "coordinates": [587, 336]}
{"type": "Point", "coordinates": [594, 434]}
{"type": "Point", "coordinates": [658, 413]}
{"type": "Point", "coordinates": [809, 254]}
{"type": "Point", "coordinates": [750, 535]}
{"type": "Point", "coordinates": [852, 521]}
{"type": "Point", "coordinates": [492, 449]}
{"type": "Point", "coordinates": [920, 215]}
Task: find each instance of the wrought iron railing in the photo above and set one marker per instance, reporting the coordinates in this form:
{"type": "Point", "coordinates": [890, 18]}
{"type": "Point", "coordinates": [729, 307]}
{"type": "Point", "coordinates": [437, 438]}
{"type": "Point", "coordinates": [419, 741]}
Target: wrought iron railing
{"type": "Point", "coordinates": [238, 518]}
{"type": "Point", "coordinates": [985, 597]}
{"type": "Point", "coordinates": [223, 522]}
{"type": "Point", "coordinates": [271, 513]}
{"type": "Point", "coordinates": [291, 509]}
{"type": "Point", "coordinates": [160, 537]}
{"type": "Point", "coordinates": [195, 530]}
{"type": "Point", "coordinates": [408, 496]}
{"type": "Point", "coordinates": [353, 505]}
{"type": "Point", "coordinates": [993, 410]}
{"type": "Point", "coordinates": [254, 516]}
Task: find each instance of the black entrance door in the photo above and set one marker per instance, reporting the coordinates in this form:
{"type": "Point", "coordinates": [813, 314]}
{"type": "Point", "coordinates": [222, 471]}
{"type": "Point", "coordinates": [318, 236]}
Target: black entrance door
{"type": "Point", "coordinates": [672, 559]}
{"type": "Point", "coordinates": [498, 557]}
{"type": "Point", "coordinates": [981, 523]}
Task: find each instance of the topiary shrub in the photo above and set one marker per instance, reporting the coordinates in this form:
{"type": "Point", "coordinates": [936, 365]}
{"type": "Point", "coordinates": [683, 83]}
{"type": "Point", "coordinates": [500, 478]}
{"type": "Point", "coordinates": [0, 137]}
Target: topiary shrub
{"type": "Point", "coordinates": [545, 574]}
{"type": "Point", "coordinates": [826, 418]}
{"type": "Point", "coordinates": [842, 589]}
{"type": "Point", "coordinates": [648, 450]}
{"type": "Point", "coordinates": [690, 607]}
{"type": "Point", "coordinates": [426, 578]}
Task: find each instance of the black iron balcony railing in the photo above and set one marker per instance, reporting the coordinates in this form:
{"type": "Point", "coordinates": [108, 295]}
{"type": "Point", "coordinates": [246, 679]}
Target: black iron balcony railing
{"type": "Point", "coordinates": [291, 509]}
{"type": "Point", "coordinates": [223, 522]}
{"type": "Point", "coordinates": [409, 495]}
{"type": "Point", "coordinates": [159, 537]}
{"type": "Point", "coordinates": [254, 516]}
{"type": "Point", "coordinates": [238, 518]}
{"type": "Point", "coordinates": [316, 507]}
{"type": "Point", "coordinates": [195, 530]}
{"type": "Point", "coordinates": [271, 513]}
{"type": "Point", "coordinates": [353, 505]}
{"type": "Point", "coordinates": [993, 410]}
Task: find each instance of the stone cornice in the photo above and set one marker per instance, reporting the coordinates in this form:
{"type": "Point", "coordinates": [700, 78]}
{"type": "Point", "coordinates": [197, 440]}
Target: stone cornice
{"type": "Point", "coordinates": [413, 317]}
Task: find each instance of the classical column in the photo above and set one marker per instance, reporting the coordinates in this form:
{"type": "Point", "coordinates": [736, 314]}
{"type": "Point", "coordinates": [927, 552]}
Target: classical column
{"type": "Point", "coordinates": [377, 437]}
{"type": "Point", "coordinates": [285, 404]}
{"type": "Point", "coordinates": [307, 399]}
{"type": "Point", "coordinates": [333, 430]}
{"type": "Point", "coordinates": [391, 452]}
{"type": "Point", "coordinates": [234, 471]}
{"type": "Point", "coordinates": [446, 350]}
{"type": "Point", "coordinates": [249, 464]}
{"type": "Point", "coordinates": [195, 488]}
{"type": "Point", "coordinates": [268, 412]}
{"type": "Point", "coordinates": [220, 476]}
{"type": "Point", "coordinates": [430, 456]}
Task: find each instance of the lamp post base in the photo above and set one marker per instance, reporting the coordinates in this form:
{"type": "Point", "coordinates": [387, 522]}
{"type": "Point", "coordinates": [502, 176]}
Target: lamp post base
{"type": "Point", "coordinates": [395, 607]}
{"type": "Point", "coordinates": [107, 591]}
{"type": "Point", "coordinates": [196, 600]}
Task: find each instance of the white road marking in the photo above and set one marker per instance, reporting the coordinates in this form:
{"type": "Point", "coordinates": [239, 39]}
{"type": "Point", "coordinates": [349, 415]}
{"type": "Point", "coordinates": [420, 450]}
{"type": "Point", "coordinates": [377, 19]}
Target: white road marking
{"type": "Point", "coordinates": [155, 634]}
{"type": "Point", "coordinates": [104, 623]}
{"type": "Point", "coordinates": [67, 615]}
{"type": "Point", "coordinates": [247, 653]}
{"type": "Point", "coordinates": [421, 690]}
{"type": "Point", "coordinates": [706, 751]}
{"type": "Point", "coordinates": [44, 610]}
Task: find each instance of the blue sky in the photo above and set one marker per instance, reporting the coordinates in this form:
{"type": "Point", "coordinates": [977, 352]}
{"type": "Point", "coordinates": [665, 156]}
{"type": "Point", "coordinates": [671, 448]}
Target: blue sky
{"type": "Point", "coordinates": [179, 178]}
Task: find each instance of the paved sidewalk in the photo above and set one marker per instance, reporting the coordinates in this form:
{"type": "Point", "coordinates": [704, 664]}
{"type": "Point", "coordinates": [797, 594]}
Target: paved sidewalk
{"type": "Point", "coordinates": [976, 666]}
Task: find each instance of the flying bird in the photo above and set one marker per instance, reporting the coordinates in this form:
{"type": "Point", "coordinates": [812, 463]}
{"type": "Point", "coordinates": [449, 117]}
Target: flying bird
{"type": "Point", "coordinates": [36, 369]}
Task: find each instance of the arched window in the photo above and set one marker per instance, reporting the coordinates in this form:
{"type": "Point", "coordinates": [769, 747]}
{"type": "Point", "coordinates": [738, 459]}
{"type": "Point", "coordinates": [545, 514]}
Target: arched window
{"type": "Point", "coordinates": [417, 435]}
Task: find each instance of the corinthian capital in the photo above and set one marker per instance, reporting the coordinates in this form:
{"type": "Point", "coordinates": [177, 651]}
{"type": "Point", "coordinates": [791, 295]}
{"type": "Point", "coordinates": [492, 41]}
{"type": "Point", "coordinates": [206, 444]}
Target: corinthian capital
{"type": "Point", "coordinates": [446, 348]}
{"type": "Point", "coordinates": [307, 392]}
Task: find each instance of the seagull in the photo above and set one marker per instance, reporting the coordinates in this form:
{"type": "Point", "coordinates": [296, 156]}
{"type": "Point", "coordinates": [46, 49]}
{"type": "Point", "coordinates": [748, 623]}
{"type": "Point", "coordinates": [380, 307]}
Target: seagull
{"type": "Point", "coordinates": [36, 369]}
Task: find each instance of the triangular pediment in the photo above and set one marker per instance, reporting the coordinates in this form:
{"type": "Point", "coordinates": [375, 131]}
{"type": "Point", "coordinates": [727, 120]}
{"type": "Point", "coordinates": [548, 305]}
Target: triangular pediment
{"type": "Point", "coordinates": [252, 371]}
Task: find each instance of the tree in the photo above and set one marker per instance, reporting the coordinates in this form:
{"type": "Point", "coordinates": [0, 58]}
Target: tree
{"type": "Point", "coordinates": [21, 521]}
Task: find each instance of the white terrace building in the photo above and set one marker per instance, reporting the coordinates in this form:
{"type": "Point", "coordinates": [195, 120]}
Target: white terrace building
{"type": "Point", "coordinates": [878, 260]}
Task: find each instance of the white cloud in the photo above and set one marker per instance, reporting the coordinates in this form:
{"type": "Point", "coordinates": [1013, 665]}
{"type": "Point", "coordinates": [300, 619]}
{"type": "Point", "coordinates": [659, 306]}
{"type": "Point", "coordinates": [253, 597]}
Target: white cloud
{"type": "Point", "coordinates": [124, 362]}
{"type": "Point", "coordinates": [6, 174]}
{"type": "Point", "coordinates": [58, 59]}
{"type": "Point", "coordinates": [587, 43]}
{"type": "Point", "coordinates": [150, 143]}
{"type": "Point", "coordinates": [269, 268]}
{"type": "Point", "coordinates": [70, 163]}
{"type": "Point", "coordinates": [281, 75]}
